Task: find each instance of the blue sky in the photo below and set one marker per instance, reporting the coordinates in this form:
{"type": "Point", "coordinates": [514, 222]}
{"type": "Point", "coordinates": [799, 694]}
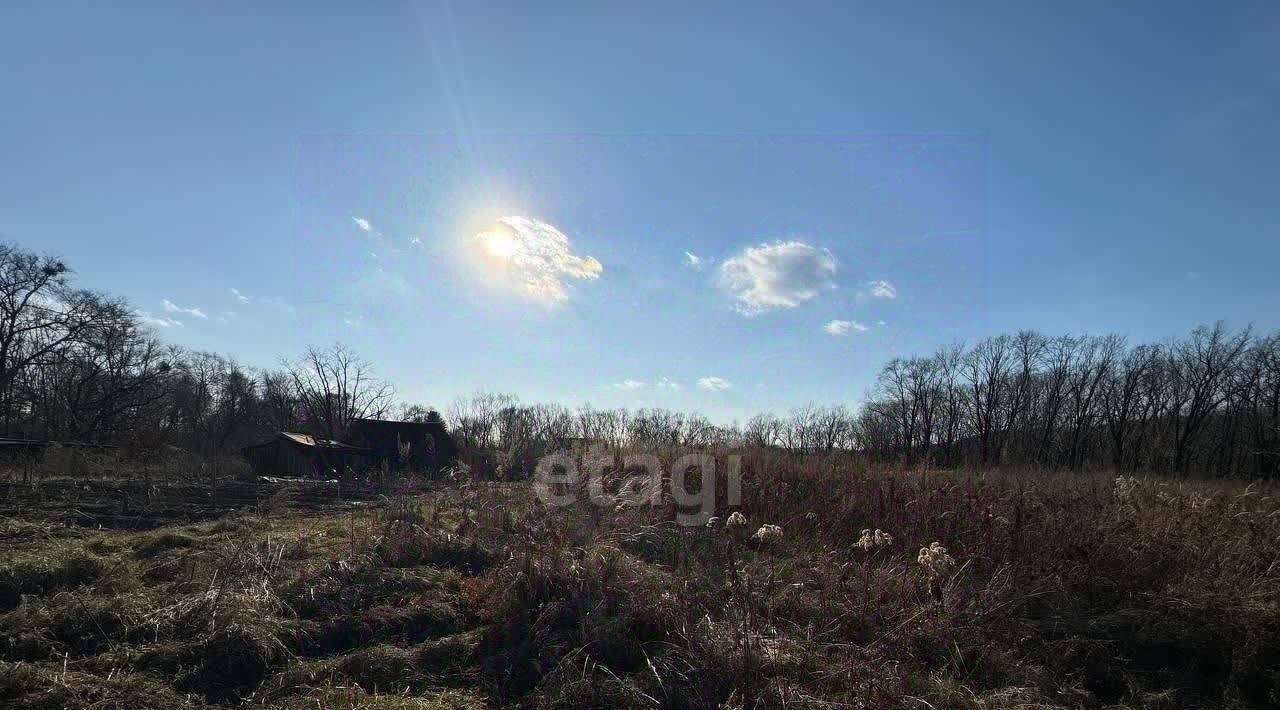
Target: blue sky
{"type": "Point", "coordinates": [1071, 167]}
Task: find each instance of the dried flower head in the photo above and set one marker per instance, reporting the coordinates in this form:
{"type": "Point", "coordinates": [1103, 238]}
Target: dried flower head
{"type": "Point", "coordinates": [768, 534]}
{"type": "Point", "coordinates": [737, 520]}
{"type": "Point", "coordinates": [936, 561]}
{"type": "Point", "coordinates": [713, 521]}
{"type": "Point", "coordinates": [872, 540]}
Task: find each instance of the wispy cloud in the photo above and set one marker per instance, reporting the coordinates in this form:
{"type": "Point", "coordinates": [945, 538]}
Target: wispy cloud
{"type": "Point", "coordinates": [629, 385]}
{"type": "Point", "coordinates": [193, 311]}
{"type": "Point", "coordinates": [158, 321]}
{"type": "Point", "coordinates": [882, 289]}
{"type": "Point", "coordinates": [714, 384]}
{"type": "Point", "coordinates": [364, 225]}
{"type": "Point", "coordinates": [533, 257]}
{"type": "Point", "coordinates": [695, 262]}
{"type": "Point", "coordinates": [844, 327]}
{"type": "Point", "coordinates": [666, 384]}
{"type": "Point", "coordinates": [273, 303]}
{"type": "Point", "coordinates": [780, 274]}
{"type": "Point", "coordinates": [415, 240]}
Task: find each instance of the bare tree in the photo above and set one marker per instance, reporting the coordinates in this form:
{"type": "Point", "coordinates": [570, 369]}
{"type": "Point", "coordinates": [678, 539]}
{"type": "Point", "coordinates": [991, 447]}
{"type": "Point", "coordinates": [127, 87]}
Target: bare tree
{"type": "Point", "coordinates": [762, 430]}
{"type": "Point", "coordinates": [40, 312]}
{"type": "Point", "coordinates": [1206, 363]}
{"type": "Point", "coordinates": [947, 363]}
{"type": "Point", "coordinates": [1096, 356]}
{"type": "Point", "coordinates": [105, 386]}
{"type": "Point", "coordinates": [987, 369]}
{"type": "Point", "coordinates": [833, 427]}
{"type": "Point", "coordinates": [335, 387]}
{"type": "Point", "coordinates": [1122, 400]}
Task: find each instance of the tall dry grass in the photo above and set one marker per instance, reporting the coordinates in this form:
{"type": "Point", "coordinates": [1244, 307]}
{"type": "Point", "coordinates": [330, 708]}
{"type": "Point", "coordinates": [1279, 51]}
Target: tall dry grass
{"type": "Point", "coordinates": [1066, 591]}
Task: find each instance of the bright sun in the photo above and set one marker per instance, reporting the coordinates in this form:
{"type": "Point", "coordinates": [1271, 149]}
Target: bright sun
{"type": "Point", "coordinates": [500, 244]}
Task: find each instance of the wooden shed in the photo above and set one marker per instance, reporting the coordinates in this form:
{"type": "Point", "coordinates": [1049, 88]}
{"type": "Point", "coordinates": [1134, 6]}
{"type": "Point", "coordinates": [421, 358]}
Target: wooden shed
{"type": "Point", "coordinates": [428, 443]}
{"type": "Point", "coordinates": [302, 455]}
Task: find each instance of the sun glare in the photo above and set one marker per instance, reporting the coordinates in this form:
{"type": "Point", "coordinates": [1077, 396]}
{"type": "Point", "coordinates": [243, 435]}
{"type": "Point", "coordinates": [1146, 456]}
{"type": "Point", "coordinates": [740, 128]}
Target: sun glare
{"type": "Point", "coordinates": [500, 244]}
{"type": "Point", "coordinates": [529, 256]}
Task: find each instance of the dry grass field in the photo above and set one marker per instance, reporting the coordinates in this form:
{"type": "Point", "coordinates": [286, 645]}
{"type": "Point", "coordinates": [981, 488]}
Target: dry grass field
{"type": "Point", "coordinates": [1054, 591]}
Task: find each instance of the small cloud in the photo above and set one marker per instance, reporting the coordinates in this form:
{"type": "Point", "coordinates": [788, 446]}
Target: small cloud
{"type": "Point", "coordinates": [695, 262]}
{"type": "Point", "coordinates": [415, 240]}
{"type": "Point", "coordinates": [666, 384]}
{"type": "Point", "coordinates": [533, 257]}
{"type": "Point", "coordinates": [354, 321]}
{"type": "Point", "coordinates": [714, 384]}
{"type": "Point", "coordinates": [882, 289]}
{"type": "Point", "coordinates": [274, 303]}
{"type": "Point", "coordinates": [881, 323]}
{"type": "Point", "coordinates": [171, 307]}
{"type": "Point", "coordinates": [364, 224]}
{"type": "Point", "coordinates": [780, 274]}
{"type": "Point", "coordinates": [158, 321]}
{"type": "Point", "coordinates": [629, 385]}
{"type": "Point", "coordinates": [844, 327]}
{"type": "Point", "coordinates": [374, 255]}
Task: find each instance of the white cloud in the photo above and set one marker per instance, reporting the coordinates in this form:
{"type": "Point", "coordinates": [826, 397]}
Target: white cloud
{"type": "Point", "coordinates": [781, 274]}
{"type": "Point", "coordinates": [171, 307]}
{"type": "Point", "coordinates": [415, 240]}
{"type": "Point", "coordinates": [695, 262]}
{"type": "Point", "coordinates": [881, 323]}
{"type": "Point", "coordinates": [274, 303]}
{"type": "Point", "coordinates": [363, 224]}
{"type": "Point", "coordinates": [629, 385]}
{"type": "Point", "coordinates": [158, 321]}
{"type": "Point", "coordinates": [666, 384]}
{"type": "Point", "coordinates": [714, 384]}
{"type": "Point", "coordinates": [844, 327]}
{"type": "Point", "coordinates": [533, 257]}
{"type": "Point", "coordinates": [882, 289]}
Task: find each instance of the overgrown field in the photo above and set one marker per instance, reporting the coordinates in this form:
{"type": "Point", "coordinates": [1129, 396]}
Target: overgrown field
{"type": "Point", "coordinates": [1054, 590]}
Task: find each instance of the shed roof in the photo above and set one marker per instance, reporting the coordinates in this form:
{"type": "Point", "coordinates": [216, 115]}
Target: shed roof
{"type": "Point", "coordinates": [312, 442]}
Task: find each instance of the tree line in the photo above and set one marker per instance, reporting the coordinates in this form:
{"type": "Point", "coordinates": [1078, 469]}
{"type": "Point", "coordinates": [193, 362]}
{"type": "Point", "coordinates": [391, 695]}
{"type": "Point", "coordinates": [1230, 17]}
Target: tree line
{"type": "Point", "coordinates": [82, 366]}
{"type": "Point", "coordinates": [77, 365]}
{"type": "Point", "coordinates": [1209, 402]}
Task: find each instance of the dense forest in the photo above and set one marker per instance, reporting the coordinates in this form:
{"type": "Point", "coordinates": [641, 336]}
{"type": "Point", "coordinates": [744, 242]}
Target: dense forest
{"type": "Point", "coordinates": [83, 366]}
